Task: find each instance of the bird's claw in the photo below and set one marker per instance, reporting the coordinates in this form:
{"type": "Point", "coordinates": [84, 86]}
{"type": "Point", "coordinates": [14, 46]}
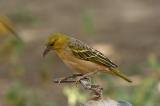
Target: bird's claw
{"type": "Point", "coordinates": [77, 81]}
{"type": "Point", "coordinates": [60, 80]}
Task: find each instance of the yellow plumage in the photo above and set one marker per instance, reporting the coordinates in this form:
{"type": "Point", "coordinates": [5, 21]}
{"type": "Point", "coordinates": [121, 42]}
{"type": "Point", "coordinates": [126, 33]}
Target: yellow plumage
{"type": "Point", "coordinates": [81, 57]}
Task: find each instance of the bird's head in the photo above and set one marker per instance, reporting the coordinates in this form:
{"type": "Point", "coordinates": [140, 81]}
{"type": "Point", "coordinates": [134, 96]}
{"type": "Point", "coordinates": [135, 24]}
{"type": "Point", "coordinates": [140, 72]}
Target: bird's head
{"type": "Point", "coordinates": [55, 41]}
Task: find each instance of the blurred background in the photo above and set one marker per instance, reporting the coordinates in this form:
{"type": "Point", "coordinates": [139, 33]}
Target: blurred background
{"type": "Point", "coordinates": [127, 31]}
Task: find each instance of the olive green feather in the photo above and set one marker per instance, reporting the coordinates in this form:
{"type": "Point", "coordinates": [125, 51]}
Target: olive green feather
{"type": "Point", "coordinates": [83, 51]}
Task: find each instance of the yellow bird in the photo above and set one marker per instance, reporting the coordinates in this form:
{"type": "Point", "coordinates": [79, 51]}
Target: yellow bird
{"type": "Point", "coordinates": [81, 57]}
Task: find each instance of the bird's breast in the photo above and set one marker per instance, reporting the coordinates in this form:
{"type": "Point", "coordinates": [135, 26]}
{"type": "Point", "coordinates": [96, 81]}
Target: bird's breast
{"type": "Point", "coordinates": [80, 65]}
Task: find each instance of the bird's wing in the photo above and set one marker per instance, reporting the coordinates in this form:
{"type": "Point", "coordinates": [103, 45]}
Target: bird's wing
{"type": "Point", "coordinates": [83, 51]}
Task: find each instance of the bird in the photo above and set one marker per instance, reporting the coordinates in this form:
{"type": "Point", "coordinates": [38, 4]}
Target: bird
{"type": "Point", "coordinates": [81, 57]}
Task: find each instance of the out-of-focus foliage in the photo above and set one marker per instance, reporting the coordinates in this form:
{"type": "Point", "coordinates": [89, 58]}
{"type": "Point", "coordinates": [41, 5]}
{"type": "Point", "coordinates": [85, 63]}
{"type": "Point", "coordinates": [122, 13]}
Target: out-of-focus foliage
{"type": "Point", "coordinates": [10, 45]}
{"type": "Point", "coordinates": [22, 15]}
{"type": "Point", "coordinates": [88, 24]}
{"type": "Point", "coordinates": [22, 95]}
{"type": "Point", "coordinates": [154, 63]}
{"type": "Point", "coordinates": [74, 95]}
{"type": "Point", "coordinates": [11, 48]}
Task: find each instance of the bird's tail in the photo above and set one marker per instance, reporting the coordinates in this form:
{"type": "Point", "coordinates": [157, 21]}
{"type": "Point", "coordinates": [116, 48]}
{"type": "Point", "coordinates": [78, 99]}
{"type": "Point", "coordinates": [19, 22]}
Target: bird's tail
{"type": "Point", "coordinates": [118, 73]}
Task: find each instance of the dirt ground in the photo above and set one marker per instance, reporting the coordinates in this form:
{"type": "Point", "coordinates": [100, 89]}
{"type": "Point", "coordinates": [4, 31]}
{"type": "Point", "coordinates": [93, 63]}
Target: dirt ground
{"type": "Point", "coordinates": [126, 31]}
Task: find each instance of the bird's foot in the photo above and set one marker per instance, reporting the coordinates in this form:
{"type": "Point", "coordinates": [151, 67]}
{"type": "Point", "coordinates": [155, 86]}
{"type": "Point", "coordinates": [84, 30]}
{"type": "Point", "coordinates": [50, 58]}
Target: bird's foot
{"type": "Point", "coordinates": [77, 80]}
{"type": "Point", "coordinates": [59, 80]}
{"type": "Point", "coordinates": [84, 76]}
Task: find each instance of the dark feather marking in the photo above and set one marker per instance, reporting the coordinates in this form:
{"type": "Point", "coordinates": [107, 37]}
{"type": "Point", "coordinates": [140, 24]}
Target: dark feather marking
{"type": "Point", "coordinates": [87, 53]}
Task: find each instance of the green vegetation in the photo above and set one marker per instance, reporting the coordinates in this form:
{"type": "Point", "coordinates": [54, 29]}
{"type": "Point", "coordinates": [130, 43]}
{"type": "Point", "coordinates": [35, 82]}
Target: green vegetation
{"type": "Point", "coordinates": [23, 16]}
{"type": "Point", "coordinates": [22, 95]}
{"type": "Point", "coordinates": [88, 24]}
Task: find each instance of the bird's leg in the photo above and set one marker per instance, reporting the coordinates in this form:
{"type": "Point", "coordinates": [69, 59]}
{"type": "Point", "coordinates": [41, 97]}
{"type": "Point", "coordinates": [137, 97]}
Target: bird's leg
{"type": "Point", "coordinates": [84, 76]}
{"type": "Point", "coordinates": [71, 76]}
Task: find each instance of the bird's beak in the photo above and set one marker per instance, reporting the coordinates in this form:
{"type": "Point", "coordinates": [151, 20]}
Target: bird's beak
{"type": "Point", "coordinates": [46, 51]}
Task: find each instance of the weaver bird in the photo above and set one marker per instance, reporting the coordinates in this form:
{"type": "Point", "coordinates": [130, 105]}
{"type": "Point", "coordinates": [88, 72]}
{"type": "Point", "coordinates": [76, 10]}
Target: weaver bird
{"type": "Point", "coordinates": [81, 57]}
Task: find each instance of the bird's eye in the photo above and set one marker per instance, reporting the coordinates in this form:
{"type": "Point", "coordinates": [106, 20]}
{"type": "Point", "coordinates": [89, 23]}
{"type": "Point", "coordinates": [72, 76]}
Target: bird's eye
{"type": "Point", "coordinates": [51, 44]}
